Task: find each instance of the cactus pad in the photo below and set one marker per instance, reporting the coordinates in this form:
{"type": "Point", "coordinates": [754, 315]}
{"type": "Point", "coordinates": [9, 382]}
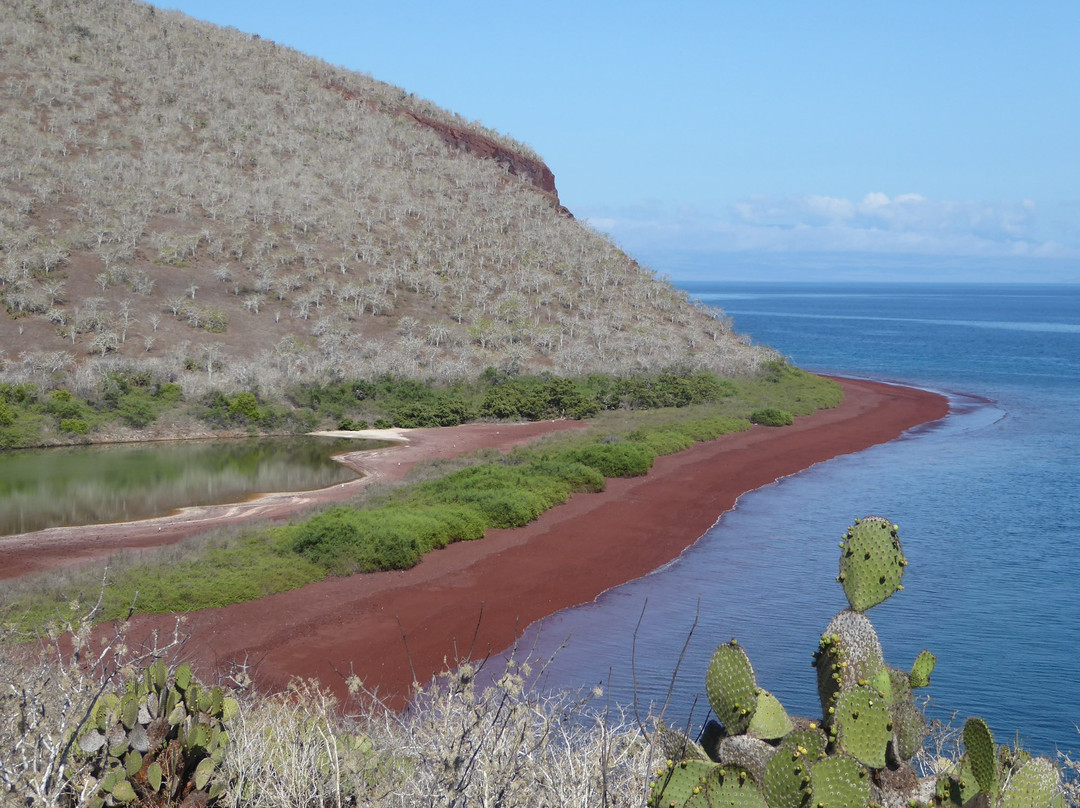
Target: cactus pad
{"type": "Point", "coordinates": [787, 780]}
{"type": "Point", "coordinates": [849, 653]}
{"type": "Point", "coordinates": [909, 726]}
{"type": "Point", "coordinates": [959, 788]}
{"type": "Point", "coordinates": [735, 788]}
{"type": "Point", "coordinates": [921, 670]}
{"type": "Point", "coordinates": [863, 725]}
{"type": "Point", "coordinates": [1036, 784]}
{"type": "Point", "coordinates": [675, 745]}
{"type": "Point", "coordinates": [153, 741]}
{"type": "Point", "coordinates": [696, 784]}
{"type": "Point", "coordinates": [871, 562]}
{"type": "Point", "coordinates": [679, 782]}
{"type": "Point", "coordinates": [839, 782]}
{"type": "Point", "coordinates": [744, 752]}
{"type": "Point", "coordinates": [981, 753]}
{"type": "Point", "coordinates": [731, 687]}
{"type": "Point", "coordinates": [770, 719]}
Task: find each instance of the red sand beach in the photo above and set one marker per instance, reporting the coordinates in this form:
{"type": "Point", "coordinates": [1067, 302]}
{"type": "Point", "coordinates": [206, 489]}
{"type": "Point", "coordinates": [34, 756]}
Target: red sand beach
{"type": "Point", "coordinates": [479, 596]}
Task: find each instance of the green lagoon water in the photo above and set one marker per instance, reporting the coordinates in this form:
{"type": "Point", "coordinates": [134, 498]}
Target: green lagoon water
{"type": "Point", "coordinates": [77, 485]}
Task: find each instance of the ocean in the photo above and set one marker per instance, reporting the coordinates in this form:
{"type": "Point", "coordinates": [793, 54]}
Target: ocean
{"type": "Point", "coordinates": [987, 500]}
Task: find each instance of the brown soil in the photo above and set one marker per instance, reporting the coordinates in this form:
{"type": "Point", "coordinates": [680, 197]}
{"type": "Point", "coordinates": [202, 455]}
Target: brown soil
{"type": "Point", "coordinates": [392, 628]}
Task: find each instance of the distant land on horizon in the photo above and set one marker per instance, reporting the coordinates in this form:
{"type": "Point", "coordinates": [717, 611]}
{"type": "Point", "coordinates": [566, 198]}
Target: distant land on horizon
{"type": "Point", "coordinates": [688, 266]}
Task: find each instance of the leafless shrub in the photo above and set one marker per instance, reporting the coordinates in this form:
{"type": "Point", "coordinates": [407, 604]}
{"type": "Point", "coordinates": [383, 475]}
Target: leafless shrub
{"type": "Point", "coordinates": [48, 688]}
{"type": "Point", "coordinates": [461, 743]}
{"type": "Point", "coordinates": [164, 164]}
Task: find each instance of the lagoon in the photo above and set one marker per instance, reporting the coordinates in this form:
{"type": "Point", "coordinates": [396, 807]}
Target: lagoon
{"type": "Point", "coordinates": [77, 485]}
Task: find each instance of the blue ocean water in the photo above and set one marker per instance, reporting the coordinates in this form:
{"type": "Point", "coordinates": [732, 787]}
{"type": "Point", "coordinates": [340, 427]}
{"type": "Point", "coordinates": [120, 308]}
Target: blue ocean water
{"type": "Point", "coordinates": [988, 503]}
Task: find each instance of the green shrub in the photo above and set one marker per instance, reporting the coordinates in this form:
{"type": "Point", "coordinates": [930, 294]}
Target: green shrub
{"type": "Point", "coordinates": [74, 426]}
{"type": "Point", "coordinates": [662, 440]}
{"type": "Point", "coordinates": [245, 571]}
{"type": "Point", "coordinates": [18, 393]}
{"type": "Point", "coordinates": [63, 404]}
{"type": "Point", "coordinates": [502, 402]}
{"type": "Point", "coordinates": [466, 485]}
{"type": "Point", "coordinates": [507, 507]}
{"type": "Point", "coordinates": [462, 523]}
{"type": "Point", "coordinates": [703, 429]}
{"type": "Point", "coordinates": [672, 388]}
{"type": "Point", "coordinates": [615, 459]}
{"type": "Point", "coordinates": [770, 416]}
{"type": "Point", "coordinates": [445, 410]}
{"type": "Point", "coordinates": [169, 393]}
{"type": "Point", "coordinates": [790, 388]}
{"type": "Point", "coordinates": [137, 409]}
{"type": "Point", "coordinates": [576, 475]}
{"type": "Point", "coordinates": [245, 406]}
{"type": "Point", "coordinates": [24, 430]}
{"type": "Point", "coordinates": [346, 540]}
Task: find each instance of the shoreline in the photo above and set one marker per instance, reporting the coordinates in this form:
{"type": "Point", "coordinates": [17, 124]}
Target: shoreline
{"type": "Point", "coordinates": [55, 547]}
{"type": "Point", "coordinates": [473, 599]}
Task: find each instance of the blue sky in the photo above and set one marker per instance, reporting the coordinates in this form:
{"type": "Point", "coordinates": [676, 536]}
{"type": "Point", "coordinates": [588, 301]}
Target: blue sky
{"type": "Point", "coordinates": [757, 140]}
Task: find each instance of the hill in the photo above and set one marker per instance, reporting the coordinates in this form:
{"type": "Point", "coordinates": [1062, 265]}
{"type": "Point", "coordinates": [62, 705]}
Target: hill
{"type": "Point", "coordinates": [226, 212]}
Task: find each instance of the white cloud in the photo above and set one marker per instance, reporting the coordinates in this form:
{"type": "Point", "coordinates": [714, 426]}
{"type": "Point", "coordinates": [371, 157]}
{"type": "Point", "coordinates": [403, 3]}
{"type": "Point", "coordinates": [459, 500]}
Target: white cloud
{"type": "Point", "coordinates": [908, 223]}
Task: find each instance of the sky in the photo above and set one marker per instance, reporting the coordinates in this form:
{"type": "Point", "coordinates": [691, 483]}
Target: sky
{"type": "Point", "coordinates": [759, 139]}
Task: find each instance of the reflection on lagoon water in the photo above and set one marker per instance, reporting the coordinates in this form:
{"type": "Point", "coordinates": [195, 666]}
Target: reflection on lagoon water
{"type": "Point", "coordinates": [77, 485]}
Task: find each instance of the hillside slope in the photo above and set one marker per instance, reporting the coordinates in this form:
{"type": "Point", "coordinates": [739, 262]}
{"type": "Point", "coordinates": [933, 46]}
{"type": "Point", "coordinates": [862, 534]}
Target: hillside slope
{"type": "Point", "coordinates": [228, 212]}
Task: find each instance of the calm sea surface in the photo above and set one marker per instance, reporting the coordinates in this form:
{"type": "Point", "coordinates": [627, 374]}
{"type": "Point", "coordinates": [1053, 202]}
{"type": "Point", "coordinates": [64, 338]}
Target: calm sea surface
{"type": "Point", "coordinates": [988, 503]}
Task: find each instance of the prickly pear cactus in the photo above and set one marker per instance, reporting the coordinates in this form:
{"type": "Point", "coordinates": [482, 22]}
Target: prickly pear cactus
{"type": "Point", "coordinates": [909, 727]}
{"type": "Point", "coordinates": [871, 562]}
{"type": "Point", "coordinates": [156, 742]}
{"type": "Point", "coordinates": [731, 687]}
{"type": "Point", "coordinates": [1000, 777]}
{"type": "Point", "coordinates": [871, 726]}
{"type": "Point", "coordinates": [960, 787]}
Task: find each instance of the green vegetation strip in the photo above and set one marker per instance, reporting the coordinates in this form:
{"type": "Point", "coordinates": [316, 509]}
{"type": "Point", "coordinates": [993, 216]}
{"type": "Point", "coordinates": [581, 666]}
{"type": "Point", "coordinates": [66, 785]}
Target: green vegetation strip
{"type": "Point", "coordinates": [139, 399]}
{"type": "Point", "coordinates": [394, 530]}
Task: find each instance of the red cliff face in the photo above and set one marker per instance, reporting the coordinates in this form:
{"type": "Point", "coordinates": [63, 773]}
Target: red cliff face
{"type": "Point", "coordinates": [534, 172]}
{"type": "Point", "coordinates": [530, 170]}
